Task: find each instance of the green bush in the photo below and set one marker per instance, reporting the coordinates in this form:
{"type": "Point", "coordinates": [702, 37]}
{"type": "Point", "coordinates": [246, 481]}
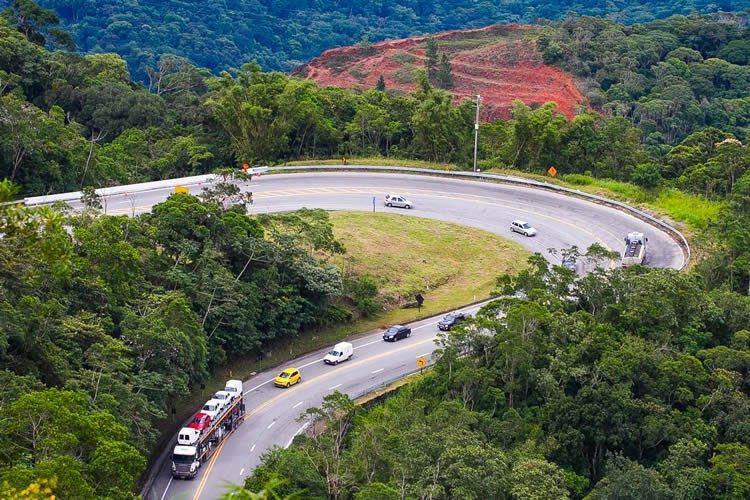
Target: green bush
{"type": "Point", "coordinates": [647, 175]}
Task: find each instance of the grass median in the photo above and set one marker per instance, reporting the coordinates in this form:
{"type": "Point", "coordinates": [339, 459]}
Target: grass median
{"type": "Point", "coordinates": [449, 264]}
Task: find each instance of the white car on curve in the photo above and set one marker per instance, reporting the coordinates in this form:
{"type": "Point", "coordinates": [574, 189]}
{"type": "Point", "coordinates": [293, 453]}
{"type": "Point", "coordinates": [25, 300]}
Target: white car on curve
{"type": "Point", "coordinates": [519, 226]}
{"type": "Point", "coordinates": [396, 200]}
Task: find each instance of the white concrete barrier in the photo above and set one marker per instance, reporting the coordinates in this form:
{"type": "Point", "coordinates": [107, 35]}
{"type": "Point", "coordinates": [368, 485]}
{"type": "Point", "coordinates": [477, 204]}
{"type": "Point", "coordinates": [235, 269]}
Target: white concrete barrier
{"type": "Point", "coordinates": [133, 188]}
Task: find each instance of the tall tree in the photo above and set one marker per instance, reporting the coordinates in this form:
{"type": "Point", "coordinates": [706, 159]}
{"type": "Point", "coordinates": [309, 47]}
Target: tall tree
{"type": "Point", "coordinates": [38, 24]}
{"type": "Point", "coordinates": [431, 58]}
{"type": "Point", "coordinates": [381, 84]}
{"type": "Point", "coordinates": [444, 75]}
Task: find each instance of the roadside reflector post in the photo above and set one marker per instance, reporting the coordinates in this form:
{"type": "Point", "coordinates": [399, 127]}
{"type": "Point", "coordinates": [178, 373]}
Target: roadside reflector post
{"type": "Point", "coordinates": [373, 204]}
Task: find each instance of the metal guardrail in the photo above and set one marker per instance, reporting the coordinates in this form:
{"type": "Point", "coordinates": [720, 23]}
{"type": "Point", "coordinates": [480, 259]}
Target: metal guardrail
{"type": "Point", "coordinates": [509, 179]}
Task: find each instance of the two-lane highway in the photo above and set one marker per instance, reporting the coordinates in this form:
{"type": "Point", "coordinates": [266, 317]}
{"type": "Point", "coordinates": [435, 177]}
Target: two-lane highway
{"type": "Point", "coordinates": [272, 412]}
{"type": "Point", "coordinates": [562, 221]}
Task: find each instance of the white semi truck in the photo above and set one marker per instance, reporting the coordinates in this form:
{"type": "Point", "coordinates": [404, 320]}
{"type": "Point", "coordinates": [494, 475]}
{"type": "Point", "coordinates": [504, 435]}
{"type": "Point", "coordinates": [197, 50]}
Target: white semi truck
{"type": "Point", "coordinates": [194, 447]}
{"type": "Point", "coordinates": [635, 249]}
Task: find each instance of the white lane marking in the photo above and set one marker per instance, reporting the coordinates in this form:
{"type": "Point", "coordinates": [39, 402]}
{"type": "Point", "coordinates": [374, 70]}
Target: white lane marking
{"type": "Point", "coordinates": [334, 387]}
{"type": "Point", "coordinates": [378, 370]}
{"type": "Point", "coordinates": [312, 363]}
{"type": "Point", "coordinates": [271, 424]}
{"type": "Point", "coordinates": [295, 406]}
{"type": "Point", "coordinates": [257, 387]}
{"type": "Point", "coordinates": [321, 359]}
{"type": "Point", "coordinates": [299, 431]}
{"type": "Point", "coordinates": [252, 448]}
{"type": "Point", "coordinates": [242, 471]}
{"type": "Point", "coordinates": [369, 343]}
{"type": "Point", "coordinates": [163, 496]}
{"type": "Point", "coordinates": [425, 325]}
{"type": "Point", "coordinates": [423, 355]}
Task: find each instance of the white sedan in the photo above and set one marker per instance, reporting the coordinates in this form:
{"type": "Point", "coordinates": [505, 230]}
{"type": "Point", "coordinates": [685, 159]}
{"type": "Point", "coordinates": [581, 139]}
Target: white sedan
{"type": "Point", "coordinates": [522, 227]}
{"type": "Point", "coordinates": [396, 200]}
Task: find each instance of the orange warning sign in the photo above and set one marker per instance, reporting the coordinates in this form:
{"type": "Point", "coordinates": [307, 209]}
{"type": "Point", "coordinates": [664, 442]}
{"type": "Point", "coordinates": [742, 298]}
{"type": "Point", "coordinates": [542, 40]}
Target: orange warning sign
{"type": "Point", "coordinates": [552, 171]}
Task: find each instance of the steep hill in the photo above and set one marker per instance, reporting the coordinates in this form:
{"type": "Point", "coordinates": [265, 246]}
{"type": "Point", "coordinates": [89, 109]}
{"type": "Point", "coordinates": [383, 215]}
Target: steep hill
{"type": "Point", "coordinates": [501, 63]}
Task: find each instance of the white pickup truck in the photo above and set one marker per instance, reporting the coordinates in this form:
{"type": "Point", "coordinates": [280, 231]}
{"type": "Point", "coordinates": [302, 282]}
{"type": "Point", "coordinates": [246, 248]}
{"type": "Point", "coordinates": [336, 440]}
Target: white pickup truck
{"type": "Point", "coordinates": [635, 249]}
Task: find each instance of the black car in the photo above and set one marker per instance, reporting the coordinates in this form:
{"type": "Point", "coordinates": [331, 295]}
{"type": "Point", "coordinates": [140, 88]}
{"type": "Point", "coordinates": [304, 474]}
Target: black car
{"type": "Point", "coordinates": [396, 332]}
{"type": "Point", "coordinates": [450, 320]}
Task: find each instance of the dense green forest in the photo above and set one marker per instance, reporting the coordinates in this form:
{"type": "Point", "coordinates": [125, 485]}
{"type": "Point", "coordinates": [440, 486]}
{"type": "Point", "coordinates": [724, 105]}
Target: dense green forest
{"type": "Point", "coordinates": [671, 111]}
{"type": "Point", "coordinates": [105, 321]}
{"type": "Point", "coordinates": [620, 384]}
{"type": "Point", "coordinates": [282, 34]}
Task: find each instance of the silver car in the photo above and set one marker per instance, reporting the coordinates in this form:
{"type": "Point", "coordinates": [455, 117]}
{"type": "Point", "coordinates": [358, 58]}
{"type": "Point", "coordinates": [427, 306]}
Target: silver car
{"type": "Point", "coordinates": [522, 227]}
{"type": "Point", "coordinates": [396, 200]}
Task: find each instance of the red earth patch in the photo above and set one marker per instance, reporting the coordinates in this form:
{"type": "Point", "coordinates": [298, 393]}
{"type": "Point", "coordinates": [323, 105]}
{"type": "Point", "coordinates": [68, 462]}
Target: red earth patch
{"type": "Point", "coordinates": [499, 62]}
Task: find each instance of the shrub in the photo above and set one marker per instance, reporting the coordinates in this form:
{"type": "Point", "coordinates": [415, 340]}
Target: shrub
{"type": "Point", "coordinates": [647, 175]}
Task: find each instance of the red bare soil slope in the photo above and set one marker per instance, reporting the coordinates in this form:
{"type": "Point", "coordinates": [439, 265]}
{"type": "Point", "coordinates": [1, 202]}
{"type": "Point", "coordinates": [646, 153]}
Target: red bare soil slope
{"type": "Point", "coordinates": [500, 62]}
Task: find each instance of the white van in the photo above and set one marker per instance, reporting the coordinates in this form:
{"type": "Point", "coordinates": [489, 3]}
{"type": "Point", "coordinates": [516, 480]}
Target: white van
{"type": "Point", "coordinates": [188, 436]}
{"type": "Point", "coordinates": [234, 387]}
{"type": "Point", "coordinates": [341, 352]}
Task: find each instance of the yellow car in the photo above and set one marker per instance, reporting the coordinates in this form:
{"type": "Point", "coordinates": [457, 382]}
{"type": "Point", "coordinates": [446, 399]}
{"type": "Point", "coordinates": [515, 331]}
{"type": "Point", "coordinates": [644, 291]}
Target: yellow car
{"type": "Point", "coordinates": [289, 376]}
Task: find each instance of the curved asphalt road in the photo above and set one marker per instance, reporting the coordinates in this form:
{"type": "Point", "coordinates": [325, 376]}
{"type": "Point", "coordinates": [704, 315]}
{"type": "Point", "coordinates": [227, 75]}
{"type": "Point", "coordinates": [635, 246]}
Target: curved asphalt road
{"type": "Point", "coordinates": [562, 221]}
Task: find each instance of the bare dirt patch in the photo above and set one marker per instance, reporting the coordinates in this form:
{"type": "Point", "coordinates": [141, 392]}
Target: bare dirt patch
{"type": "Point", "coordinates": [500, 62]}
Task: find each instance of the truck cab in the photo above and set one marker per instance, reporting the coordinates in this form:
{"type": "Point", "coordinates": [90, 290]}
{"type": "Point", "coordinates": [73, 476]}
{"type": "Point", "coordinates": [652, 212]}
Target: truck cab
{"type": "Point", "coordinates": [185, 461]}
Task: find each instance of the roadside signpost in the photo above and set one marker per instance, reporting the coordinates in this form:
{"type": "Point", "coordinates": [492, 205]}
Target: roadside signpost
{"type": "Point", "coordinates": [421, 363]}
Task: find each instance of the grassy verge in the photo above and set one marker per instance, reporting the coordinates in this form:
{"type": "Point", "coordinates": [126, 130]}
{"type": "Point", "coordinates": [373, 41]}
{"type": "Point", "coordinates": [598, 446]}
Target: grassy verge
{"type": "Point", "coordinates": [451, 265]}
{"type": "Point", "coordinates": [447, 263]}
{"type": "Point", "coordinates": [693, 211]}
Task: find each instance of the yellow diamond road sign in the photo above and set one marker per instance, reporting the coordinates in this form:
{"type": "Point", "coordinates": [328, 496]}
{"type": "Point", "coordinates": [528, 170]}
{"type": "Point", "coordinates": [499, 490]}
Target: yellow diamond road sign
{"type": "Point", "coordinates": [421, 362]}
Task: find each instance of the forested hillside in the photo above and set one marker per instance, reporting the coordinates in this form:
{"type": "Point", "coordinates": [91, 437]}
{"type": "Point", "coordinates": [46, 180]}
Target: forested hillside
{"type": "Point", "coordinates": [105, 321]}
{"type": "Point", "coordinates": [666, 97]}
{"type": "Point", "coordinates": [620, 384]}
{"type": "Point", "coordinates": [280, 35]}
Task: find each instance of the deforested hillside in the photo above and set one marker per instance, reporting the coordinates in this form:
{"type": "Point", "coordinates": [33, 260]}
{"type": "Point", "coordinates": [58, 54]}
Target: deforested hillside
{"type": "Point", "coordinates": [501, 63]}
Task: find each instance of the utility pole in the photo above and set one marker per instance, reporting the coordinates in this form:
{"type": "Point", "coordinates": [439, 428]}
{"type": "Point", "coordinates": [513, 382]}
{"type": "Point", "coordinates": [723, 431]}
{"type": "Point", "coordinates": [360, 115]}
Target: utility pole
{"type": "Point", "coordinates": [476, 132]}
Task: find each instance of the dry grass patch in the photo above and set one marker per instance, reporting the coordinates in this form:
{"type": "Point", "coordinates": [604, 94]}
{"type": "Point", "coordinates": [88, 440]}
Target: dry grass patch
{"type": "Point", "coordinates": [448, 264]}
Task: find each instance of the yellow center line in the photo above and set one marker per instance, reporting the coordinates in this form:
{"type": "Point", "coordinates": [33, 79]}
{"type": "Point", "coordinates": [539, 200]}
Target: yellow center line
{"type": "Point", "coordinates": [487, 200]}
{"type": "Point", "coordinates": [288, 392]}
